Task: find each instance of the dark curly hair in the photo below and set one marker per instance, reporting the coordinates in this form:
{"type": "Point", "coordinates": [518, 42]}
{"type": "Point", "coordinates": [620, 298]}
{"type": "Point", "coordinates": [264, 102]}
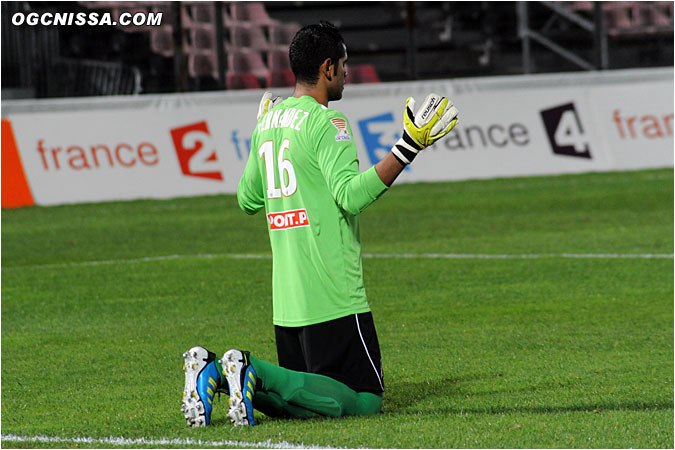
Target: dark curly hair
{"type": "Point", "coordinates": [311, 46]}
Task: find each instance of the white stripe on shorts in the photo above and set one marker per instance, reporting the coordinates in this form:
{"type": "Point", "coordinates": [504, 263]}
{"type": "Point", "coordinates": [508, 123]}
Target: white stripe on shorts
{"type": "Point", "coordinates": [368, 353]}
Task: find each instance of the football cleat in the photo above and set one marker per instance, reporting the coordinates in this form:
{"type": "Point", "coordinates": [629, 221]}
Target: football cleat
{"type": "Point", "coordinates": [241, 378]}
{"type": "Point", "coordinates": [201, 383]}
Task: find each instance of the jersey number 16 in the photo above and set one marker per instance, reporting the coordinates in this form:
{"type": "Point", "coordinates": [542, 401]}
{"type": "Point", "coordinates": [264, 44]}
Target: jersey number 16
{"type": "Point", "coordinates": [284, 168]}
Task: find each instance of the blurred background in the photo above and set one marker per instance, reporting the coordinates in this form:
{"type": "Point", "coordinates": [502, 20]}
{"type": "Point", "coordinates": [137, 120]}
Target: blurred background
{"type": "Point", "coordinates": [205, 46]}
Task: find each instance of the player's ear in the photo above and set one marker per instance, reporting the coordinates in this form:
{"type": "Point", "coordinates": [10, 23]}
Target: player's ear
{"type": "Point", "coordinates": [326, 67]}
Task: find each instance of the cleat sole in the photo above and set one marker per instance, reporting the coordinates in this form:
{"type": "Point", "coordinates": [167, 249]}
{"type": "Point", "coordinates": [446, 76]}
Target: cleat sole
{"type": "Point", "coordinates": [192, 407]}
{"type": "Point", "coordinates": [233, 363]}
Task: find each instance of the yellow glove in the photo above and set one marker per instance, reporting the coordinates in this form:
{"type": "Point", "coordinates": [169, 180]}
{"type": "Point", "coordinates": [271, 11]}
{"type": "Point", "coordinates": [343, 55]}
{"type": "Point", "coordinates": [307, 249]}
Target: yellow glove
{"type": "Point", "coordinates": [267, 102]}
{"type": "Point", "coordinates": [434, 119]}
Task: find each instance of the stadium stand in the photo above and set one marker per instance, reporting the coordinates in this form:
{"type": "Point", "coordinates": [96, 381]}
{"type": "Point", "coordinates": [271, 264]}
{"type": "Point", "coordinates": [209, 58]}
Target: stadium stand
{"type": "Point", "coordinates": [228, 45]}
{"type": "Point", "coordinates": [632, 18]}
{"type": "Point", "coordinates": [660, 17]}
{"type": "Point", "coordinates": [247, 35]}
{"type": "Point", "coordinates": [70, 78]}
{"type": "Point", "coordinates": [362, 74]}
{"type": "Point", "coordinates": [242, 81]}
{"type": "Point", "coordinates": [198, 12]}
{"type": "Point", "coordinates": [623, 18]}
{"type": "Point", "coordinates": [277, 59]}
{"type": "Point", "coordinates": [280, 78]}
{"type": "Point", "coordinates": [161, 40]}
{"type": "Point", "coordinates": [249, 52]}
{"type": "Point", "coordinates": [246, 60]}
{"type": "Point", "coordinates": [281, 34]}
{"type": "Point", "coordinates": [202, 64]}
{"type": "Point", "coordinates": [253, 12]}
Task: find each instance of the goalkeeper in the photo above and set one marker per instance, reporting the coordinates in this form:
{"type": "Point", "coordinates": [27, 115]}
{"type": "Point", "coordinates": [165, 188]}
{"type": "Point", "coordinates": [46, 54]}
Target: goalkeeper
{"type": "Point", "coordinates": [303, 170]}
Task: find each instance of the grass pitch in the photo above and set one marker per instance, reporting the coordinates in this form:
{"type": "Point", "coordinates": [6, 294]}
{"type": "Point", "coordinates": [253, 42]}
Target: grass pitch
{"type": "Point", "coordinates": [548, 351]}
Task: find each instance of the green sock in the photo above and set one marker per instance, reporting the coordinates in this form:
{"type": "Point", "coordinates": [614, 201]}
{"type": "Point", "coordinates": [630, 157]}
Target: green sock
{"type": "Point", "coordinates": [317, 393]}
{"type": "Point", "coordinates": [223, 378]}
{"type": "Point", "coordinates": [272, 405]}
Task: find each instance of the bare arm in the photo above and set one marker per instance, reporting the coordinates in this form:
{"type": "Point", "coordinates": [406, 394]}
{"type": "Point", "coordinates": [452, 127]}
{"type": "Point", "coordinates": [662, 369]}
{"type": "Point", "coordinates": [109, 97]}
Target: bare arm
{"type": "Point", "coordinates": [388, 169]}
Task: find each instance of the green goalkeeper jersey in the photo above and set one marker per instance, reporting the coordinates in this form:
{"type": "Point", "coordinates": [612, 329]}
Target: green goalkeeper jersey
{"type": "Point", "coordinates": [304, 170]}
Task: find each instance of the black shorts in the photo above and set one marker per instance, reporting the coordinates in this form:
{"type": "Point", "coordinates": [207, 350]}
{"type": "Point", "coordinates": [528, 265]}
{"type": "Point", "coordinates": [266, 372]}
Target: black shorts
{"type": "Point", "coordinates": [345, 349]}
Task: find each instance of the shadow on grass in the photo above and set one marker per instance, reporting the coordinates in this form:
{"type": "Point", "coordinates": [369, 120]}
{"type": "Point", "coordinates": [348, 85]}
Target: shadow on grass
{"type": "Point", "coordinates": [402, 398]}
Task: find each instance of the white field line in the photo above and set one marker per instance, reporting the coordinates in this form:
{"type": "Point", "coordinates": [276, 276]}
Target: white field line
{"type": "Point", "coordinates": [532, 256]}
{"type": "Point", "coordinates": [365, 255]}
{"type": "Point", "coordinates": [120, 261]}
{"type": "Point", "coordinates": [185, 442]}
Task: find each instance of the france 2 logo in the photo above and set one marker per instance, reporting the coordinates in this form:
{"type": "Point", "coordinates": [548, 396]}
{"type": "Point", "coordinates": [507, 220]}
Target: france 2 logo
{"type": "Point", "coordinates": [565, 131]}
{"type": "Point", "coordinates": [195, 150]}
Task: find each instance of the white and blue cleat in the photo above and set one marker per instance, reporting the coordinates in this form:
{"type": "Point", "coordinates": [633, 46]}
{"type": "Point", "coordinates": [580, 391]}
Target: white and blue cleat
{"type": "Point", "coordinates": [201, 383]}
{"type": "Point", "coordinates": [241, 378]}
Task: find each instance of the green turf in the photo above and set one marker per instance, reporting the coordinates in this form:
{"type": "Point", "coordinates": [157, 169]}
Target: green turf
{"type": "Point", "coordinates": [497, 353]}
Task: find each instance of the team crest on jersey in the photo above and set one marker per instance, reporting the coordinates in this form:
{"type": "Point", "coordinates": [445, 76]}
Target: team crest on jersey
{"type": "Point", "coordinates": [341, 125]}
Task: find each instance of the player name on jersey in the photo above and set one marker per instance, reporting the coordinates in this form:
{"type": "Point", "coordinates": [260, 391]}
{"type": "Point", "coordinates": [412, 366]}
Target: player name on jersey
{"type": "Point", "coordinates": [283, 118]}
{"type": "Point", "coordinates": [288, 219]}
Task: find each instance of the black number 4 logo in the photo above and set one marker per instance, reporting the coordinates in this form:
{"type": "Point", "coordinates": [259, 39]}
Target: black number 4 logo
{"type": "Point", "coordinates": [565, 132]}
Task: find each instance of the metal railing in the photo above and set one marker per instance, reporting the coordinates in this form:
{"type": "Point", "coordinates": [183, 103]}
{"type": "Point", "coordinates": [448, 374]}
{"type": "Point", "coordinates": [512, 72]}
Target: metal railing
{"type": "Point", "coordinates": [81, 77]}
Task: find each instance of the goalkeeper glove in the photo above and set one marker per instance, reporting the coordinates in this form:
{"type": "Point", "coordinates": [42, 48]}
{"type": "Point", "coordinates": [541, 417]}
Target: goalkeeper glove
{"type": "Point", "coordinates": [267, 102]}
{"type": "Point", "coordinates": [434, 119]}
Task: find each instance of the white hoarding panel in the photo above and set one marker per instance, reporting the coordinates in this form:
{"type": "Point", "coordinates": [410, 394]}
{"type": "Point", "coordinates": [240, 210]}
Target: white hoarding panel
{"type": "Point", "coordinates": [636, 123]}
{"type": "Point", "coordinates": [504, 134]}
{"type": "Point", "coordinates": [81, 157]}
{"type": "Point", "coordinates": [183, 145]}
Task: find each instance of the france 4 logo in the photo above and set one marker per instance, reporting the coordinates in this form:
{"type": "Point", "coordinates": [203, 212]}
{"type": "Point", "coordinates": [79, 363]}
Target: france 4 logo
{"type": "Point", "coordinates": [565, 131]}
{"type": "Point", "coordinates": [196, 151]}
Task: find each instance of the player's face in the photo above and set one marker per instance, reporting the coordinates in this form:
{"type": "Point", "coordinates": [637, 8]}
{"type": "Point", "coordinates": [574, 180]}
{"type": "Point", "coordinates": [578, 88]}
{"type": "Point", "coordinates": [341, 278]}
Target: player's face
{"type": "Point", "coordinates": [338, 83]}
